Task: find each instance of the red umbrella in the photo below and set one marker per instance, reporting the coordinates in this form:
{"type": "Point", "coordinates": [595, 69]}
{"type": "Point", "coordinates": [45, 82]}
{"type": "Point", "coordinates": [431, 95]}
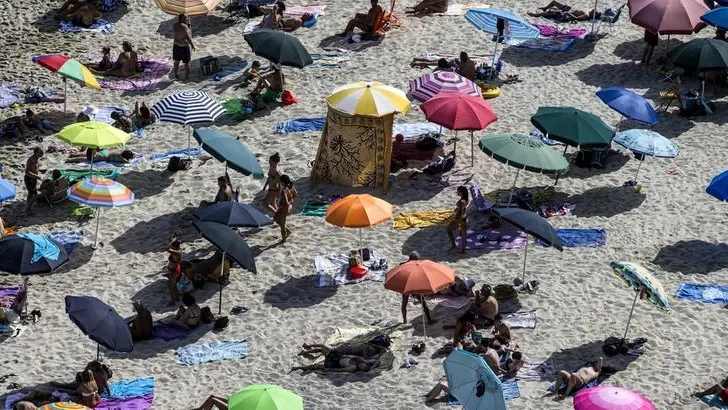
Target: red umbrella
{"type": "Point", "coordinates": [458, 111]}
{"type": "Point", "coordinates": [668, 16]}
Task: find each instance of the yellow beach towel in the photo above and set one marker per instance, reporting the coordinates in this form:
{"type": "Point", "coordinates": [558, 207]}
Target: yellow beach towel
{"type": "Point", "coordinates": [421, 219]}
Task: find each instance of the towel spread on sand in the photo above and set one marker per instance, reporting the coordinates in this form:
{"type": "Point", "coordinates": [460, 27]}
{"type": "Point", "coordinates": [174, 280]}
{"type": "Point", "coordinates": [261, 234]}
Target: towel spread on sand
{"type": "Point", "coordinates": [182, 153]}
{"type": "Point", "coordinates": [103, 114]}
{"type": "Point", "coordinates": [212, 352]}
{"type": "Point", "coordinates": [494, 239]}
{"type": "Point", "coordinates": [703, 293]}
{"type": "Point", "coordinates": [300, 125]}
{"type": "Point", "coordinates": [69, 239]}
{"type": "Point", "coordinates": [105, 164]}
{"type": "Point", "coordinates": [421, 219]}
{"type": "Point", "coordinates": [131, 403]}
{"type": "Point", "coordinates": [42, 94]}
{"type": "Point", "coordinates": [536, 371]}
{"type": "Point", "coordinates": [9, 94]}
{"type": "Point", "coordinates": [236, 107]}
{"type": "Point", "coordinates": [231, 68]}
{"type": "Point", "coordinates": [123, 389]}
{"type": "Point", "coordinates": [559, 44]}
{"type": "Point", "coordinates": [459, 9]}
{"type": "Point", "coordinates": [329, 59]}
{"type": "Point", "coordinates": [520, 320]}
{"type": "Point", "coordinates": [43, 247]}
{"type": "Point", "coordinates": [333, 270]}
{"type": "Point", "coordinates": [313, 208]}
{"type": "Point", "coordinates": [552, 30]}
{"type": "Point", "coordinates": [450, 302]}
{"type": "Point", "coordinates": [155, 69]}
{"type": "Point", "coordinates": [73, 174]}
{"type": "Point", "coordinates": [168, 332]}
{"type": "Point", "coordinates": [343, 335]}
{"type": "Point", "coordinates": [415, 129]}
{"type": "Point", "coordinates": [9, 294]}
{"type": "Point", "coordinates": [291, 12]}
{"type": "Point", "coordinates": [99, 26]}
{"type": "Point", "coordinates": [510, 392]}
{"type": "Point", "coordinates": [580, 237]}
{"type": "Point", "coordinates": [714, 401]}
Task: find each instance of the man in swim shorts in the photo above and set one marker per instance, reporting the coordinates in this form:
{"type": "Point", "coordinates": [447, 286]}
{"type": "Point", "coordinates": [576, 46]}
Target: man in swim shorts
{"type": "Point", "coordinates": [32, 177]}
{"type": "Point", "coordinates": [182, 44]}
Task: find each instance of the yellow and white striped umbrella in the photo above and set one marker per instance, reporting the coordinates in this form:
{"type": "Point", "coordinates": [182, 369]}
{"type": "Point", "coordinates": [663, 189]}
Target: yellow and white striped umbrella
{"type": "Point", "coordinates": [368, 98]}
{"type": "Point", "coordinates": [189, 7]}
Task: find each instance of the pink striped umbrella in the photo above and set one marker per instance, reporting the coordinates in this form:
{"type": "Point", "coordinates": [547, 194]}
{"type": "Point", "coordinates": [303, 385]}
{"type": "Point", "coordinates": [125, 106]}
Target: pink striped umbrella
{"type": "Point", "coordinates": [427, 86]}
{"type": "Point", "coordinates": [611, 398]}
{"type": "Point", "coordinates": [668, 16]}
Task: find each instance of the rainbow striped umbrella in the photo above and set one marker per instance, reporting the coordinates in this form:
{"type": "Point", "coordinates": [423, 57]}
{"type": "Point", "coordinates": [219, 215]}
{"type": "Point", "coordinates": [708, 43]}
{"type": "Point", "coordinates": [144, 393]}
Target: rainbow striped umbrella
{"type": "Point", "coordinates": [100, 193]}
{"type": "Point", "coordinates": [68, 68]}
{"type": "Point", "coordinates": [189, 7]}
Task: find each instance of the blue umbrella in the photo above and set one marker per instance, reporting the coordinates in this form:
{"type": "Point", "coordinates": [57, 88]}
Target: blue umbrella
{"type": "Point", "coordinates": [7, 190]}
{"type": "Point", "coordinates": [473, 382]}
{"type": "Point", "coordinates": [717, 18]}
{"type": "Point", "coordinates": [233, 214]}
{"type": "Point", "coordinates": [100, 323]}
{"type": "Point", "coordinates": [487, 20]}
{"type": "Point", "coordinates": [646, 142]}
{"type": "Point", "coordinates": [629, 104]}
{"type": "Point", "coordinates": [28, 254]}
{"type": "Point", "coordinates": [718, 186]}
{"type": "Point", "coordinates": [228, 149]}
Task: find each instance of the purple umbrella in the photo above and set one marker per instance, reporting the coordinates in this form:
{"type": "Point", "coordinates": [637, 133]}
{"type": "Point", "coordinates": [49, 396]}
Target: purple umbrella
{"type": "Point", "coordinates": [427, 86]}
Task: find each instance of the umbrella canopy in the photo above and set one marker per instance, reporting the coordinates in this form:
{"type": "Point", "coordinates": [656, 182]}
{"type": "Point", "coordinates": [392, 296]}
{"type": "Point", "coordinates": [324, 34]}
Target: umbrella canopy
{"type": "Point", "coordinates": [472, 382]}
{"type": "Point", "coordinates": [647, 142]}
{"type": "Point", "coordinates": [100, 322]}
{"type": "Point", "coordinates": [718, 186]}
{"type": "Point", "coordinates": [233, 214]}
{"type": "Point", "coordinates": [572, 126]}
{"type": "Point", "coordinates": [18, 254]}
{"type": "Point", "coordinates": [66, 405]}
{"type": "Point", "coordinates": [668, 16]}
{"type": "Point", "coordinates": [523, 152]}
{"type": "Point", "coordinates": [419, 277]}
{"type": "Point", "coordinates": [609, 398]}
{"type": "Point", "coordinates": [427, 86]}
{"type": "Point", "coordinates": [228, 149]}
{"type": "Point", "coordinates": [359, 211]}
{"type": "Point", "coordinates": [68, 68]}
{"type": "Point", "coordinates": [701, 54]}
{"type": "Point", "coordinates": [279, 47]}
{"type": "Point", "coordinates": [93, 134]}
{"type": "Point", "coordinates": [227, 241]}
{"type": "Point", "coordinates": [629, 104]}
{"type": "Point", "coordinates": [639, 278]}
{"type": "Point", "coordinates": [100, 192]}
{"type": "Point", "coordinates": [188, 107]}
{"type": "Point", "coordinates": [265, 397]}
{"type": "Point", "coordinates": [7, 190]}
{"type": "Point", "coordinates": [717, 18]}
{"type": "Point", "coordinates": [457, 111]}
{"type": "Point", "coordinates": [487, 20]}
{"type": "Point", "coordinates": [368, 98]}
{"type": "Point", "coordinates": [189, 7]}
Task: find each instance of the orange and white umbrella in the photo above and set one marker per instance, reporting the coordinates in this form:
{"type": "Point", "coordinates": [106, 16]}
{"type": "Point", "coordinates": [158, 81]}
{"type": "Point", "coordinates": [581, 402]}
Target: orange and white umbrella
{"type": "Point", "coordinates": [188, 7]}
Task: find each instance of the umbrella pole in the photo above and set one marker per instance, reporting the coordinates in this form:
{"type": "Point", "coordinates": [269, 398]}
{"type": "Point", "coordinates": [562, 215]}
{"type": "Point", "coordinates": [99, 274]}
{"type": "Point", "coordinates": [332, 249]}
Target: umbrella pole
{"type": "Point", "coordinates": [525, 256]}
{"type": "Point", "coordinates": [222, 269]}
{"type": "Point", "coordinates": [702, 91]}
{"type": "Point", "coordinates": [65, 94]}
{"type": "Point", "coordinates": [189, 143]}
{"type": "Point", "coordinates": [424, 317]}
{"type": "Point", "coordinates": [472, 152]}
{"type": "Point", "coordinates": [559, 174]}
{"type": "Point", "coordinates": [98, 219]}
{"type": "Point", "coordinates": [440, 131]}
{"type": "Point", "coordinates": [361, 246]}
{"type": "Point", "coordinates": [638, 170]}
{"type": "Point", "coordinates": [98, 352]}
{"type": "Point", "coordinates": [513, 188]}
{"type": "Point", "coordinates": [495, 51]}
{"type": "Point", "coordinates": [594, 18]}
{"type": "Point", "coordinates": [636, 295]}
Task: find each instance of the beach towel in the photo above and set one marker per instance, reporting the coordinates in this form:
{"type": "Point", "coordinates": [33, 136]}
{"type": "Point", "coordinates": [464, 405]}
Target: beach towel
{"type": "Point", "coordinates": [549, 210]}
{"type": "Point", "coordinates": [480, 203]}
{"type": "Point", "coordinates": [333, 270]}
{"type": "Point", "coordinates": [552, 30]}
{"type": "Point", "coordinates": [131, 403]}
{"type": "Point", "coordinates": [42, 94]}
{"type": "Point", "coordinates": [182, 153]}
{"type": "Point", "coordinates": [579, 237]}
{"type": "Point", "coordinates": [315, 9]}
{"type": "Point", "coordinates": [300, 125]}
{"type": "Point", "coordinates": [123, 389]}
{"type": "Point", "coordinates": [421, 219]}
{"type": "Point", "coordinates": [168, 332]}
{"type": "Point", "coordinates": [703, 293]}
{"type": "Point", "coordinates": [99, 26]}
{"type": "Point", "coordinates": [313, 208]}
{"type": "Point", "coordinates": [155, 69]}
{"type": "Point", "coordinates": [510, 392]}
{"type": "Point", "coordinates": [415, 129]}
{"type": "Point", "coordinates": [450, 302]}
{"type": "Point", "coordinates": [552, 387]}
{"type": "Point", "coordinates": [44, 247]}
{"type": "Point", "coordinates": [236, 107]}
{"type": "Point", "coordinates": [459, 9]}
{"type": "Point", "coordinates": [360, 334]}
{"type": "Point", "coordinates": [714, 401]}
{"type": "Point", "coordinates": [430, 59]}
{"type": "Point", "coordinates": [103, 114]}
{"type": "Point", "coordinates": [558, 44]}
{"type": "Point", "coordinates": [73, 174]}
{"type": "Point", "coordinates": [536, 371]}
{"type": "Point", "coordinates": [231, 68]}
{"type": "Point", "coordinates": [329, 59]}
{"type": "Point", "coordinates": [520, 320]}
{"type": "Point", "coordinates": [493, 239]}
{"type": "Point", "coordinates": [536, 134]}
{"type": "Point", "coordinates": [105, 164]}
{"type": "Point", "coordinates": [9, 94]}
{"type": "Point", "coordinates": [212, 352]}
{"type": "Point", "coordinates": [12, 398]}
{"type": "Point", "coordinates": [9, 295]}
{"type": "Point", "coordinates": [68, 239]}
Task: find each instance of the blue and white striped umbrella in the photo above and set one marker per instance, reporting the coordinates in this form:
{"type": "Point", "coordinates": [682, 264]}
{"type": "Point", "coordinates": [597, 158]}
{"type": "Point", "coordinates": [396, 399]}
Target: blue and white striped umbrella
{"type": "Point", "coordinates": [487, 20]}
{"type": "Point", "coordinates": [188, 107]}
{"type": "Point", "coordinates": [646, 142]}
{"type": "Point", "coordinates": [7, 190]}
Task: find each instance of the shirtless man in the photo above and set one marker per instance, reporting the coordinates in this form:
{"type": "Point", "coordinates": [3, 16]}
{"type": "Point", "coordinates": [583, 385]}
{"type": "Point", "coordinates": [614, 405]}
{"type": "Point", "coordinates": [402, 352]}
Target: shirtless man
{"type": "Point", "coordinates": [492, 358]}
{"type": "Point", "coordinates": [32, 177]}
{"type": "Point", "coordinates": [364, 22]}
{"type": "Point", "coordinates": [579, 378]}
{"type": "Point", "coordinates": [466, 66]}
{"type": "Point", "coordinates": [85, 15]}
{"type": "Point", "coordinates": [482, 313]}
{"type": "Point", "coordinates": [272, 80]}
{"type": "Point", "coordinates": [182, 44]}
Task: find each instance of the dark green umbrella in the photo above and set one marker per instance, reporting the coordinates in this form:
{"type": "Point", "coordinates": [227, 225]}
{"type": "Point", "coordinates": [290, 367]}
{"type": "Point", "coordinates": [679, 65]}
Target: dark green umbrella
{"type": "Point", "coordinates": [701, 54]}
{"type": "Point", "coordinates": [572, 126]}
{"type": "Point", "coordinates": [278, 47]}
{"type": "Point", "coordinates": [228, 149]}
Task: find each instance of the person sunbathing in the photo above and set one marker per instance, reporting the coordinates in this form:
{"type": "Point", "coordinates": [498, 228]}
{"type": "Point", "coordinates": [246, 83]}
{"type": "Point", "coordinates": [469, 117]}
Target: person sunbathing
{"type": "Point", "coordinates": [188, 316]}
{"type": "Point", "coordinates": [512, 365]}
{"type": "Point", "coordinates": [33, 120]}
{"type": "Point", "coordinates": [364, 22]}
{"type": "Point", "coordinates": [209, 268]}
{"type": "Point", "coordinates": [85, 16]}
{"type": "Point", "coordinates": [13, 127]}
{"type": "Point", "coordinates": [143, 116]}
{"type": "Point", "coordinates": [341, 363]}
{"type": "Point", "coordinates": [270, 84]}
{"type": "Point", "coordinates": [365, 350]}
{"type": "Point", "coordinates": [104, 64]}
{"type": "Point", "coordinates": [126, 64]}
{"type": "Point", "coordinates": [123, 157]}
{"type": "Point", "coordinates": [720, 389]}
{"type": "Point", "coordinates": [292, 24]}
{"type": "Point", "coordinates": [579, 378]}
{"type": "Point", "coordinates": [213, 401]}
{"type": "Point", "coordinates": [482, 313]}
{"type": "Point", "coordinates": [426, 7]}
{"type": "Point", "coordinates": [501, 331]}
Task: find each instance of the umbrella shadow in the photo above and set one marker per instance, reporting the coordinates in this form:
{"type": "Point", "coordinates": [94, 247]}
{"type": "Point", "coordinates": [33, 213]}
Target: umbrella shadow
{"type": "Point", "coordinates": [297, 293]}
{"type": "Point", "coordinates": [526, 57]}
{"type": "Point", "coordinates": [693, 256]}
{"type": "Point", "coordinates": [413, 185]}
{"type": "Point", "coordinates": [433, 243]}
{"type": "Point", "coordinates": [79, 257]}
{"type": "Point", "coordinates": [632, 50]}
{"type": "Point", "coordinates": [149, 348]}
{"type": "Point", "coordinates": [615, 161]}
{"type": "Point", "coordinates": [155, 295]}
{"type": "Point", "coordinates": [626, 74]}
{"type": "Point", "coordinates": [202, 26]}
{"type": "Point", "coordinates": [47, 22]}
{"type": "Point", "coordinates": [606, 201]}
{"type": "Point", "coordinates": [165, 225]}
{"type": "Point", "coordinates": [42, 213]}
{"type": "Point", "coordinates": [146, 183]}
{"type": "Point", "coordinates": [672, 125]}
{"type": "Point", "coordinates": [330, 42]}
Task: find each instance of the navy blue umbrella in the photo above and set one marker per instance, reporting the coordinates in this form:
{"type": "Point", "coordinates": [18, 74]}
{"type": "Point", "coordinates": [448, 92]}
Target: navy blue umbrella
{"type": "Point", "coordinates": [717, 18]}
{"type": "Point", "coordinates": [233, 214]}
{"type": "Point", "coordinates": [100, 323]}
{"type": "Point", "coordinates": [629, 104]}
{"type": "Point", "coordinates": [228, 149]}
{"type": "Point", "coordinates": [18, 255]}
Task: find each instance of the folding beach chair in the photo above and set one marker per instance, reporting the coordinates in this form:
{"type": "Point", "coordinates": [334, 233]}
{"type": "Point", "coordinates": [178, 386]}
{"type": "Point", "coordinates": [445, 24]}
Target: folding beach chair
{"type": "Point", "coordinates": [610, 16]}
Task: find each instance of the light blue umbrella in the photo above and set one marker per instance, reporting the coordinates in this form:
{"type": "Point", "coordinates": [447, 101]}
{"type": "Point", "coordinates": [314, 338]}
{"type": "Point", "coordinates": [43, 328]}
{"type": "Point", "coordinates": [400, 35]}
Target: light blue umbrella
{"type": "Point", "coordinates": [646, 142]}
{"type": "Point", "coordinates": [718, 186]}
{"type": "Point", "coordinates": [7, 190]}
{"type": "Point", "coordinates": [629, 104]}
{"type": "Point", "coordinates": [465, 373]}
{"type": "Point", "coordinates": [487, 20]}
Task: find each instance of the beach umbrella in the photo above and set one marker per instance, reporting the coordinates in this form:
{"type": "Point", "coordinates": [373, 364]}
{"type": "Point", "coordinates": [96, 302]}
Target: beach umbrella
{"type": "Point", "coordinates": [100, 193]}
{"type": "Point", "coordinates": [630, 105]}
{"type": "Point", "coordinates": [419, 277]}
{"type": "Point", "coordinates": [233, 214]}
{"type": "Point", "coordinates": [472, 382]}
{"type": "Point", "coordinates": [68, 68]}
{"type": "Point", "coordinates": [718, 186]}
{"type": "Point", "coordinates": [7, 190]}
{"type": "Point", "coordinates": [368, 98]}
{"type": "Point", "coordinates": [487, 20]}
{"type": "Point", "coordinates": [646, 142]}
{"type": "Point", "coordinates": [188, 7]}
{"type": "Point", "coordinates": [265, 397]}
{"type": "Point", "coordinates": [188, 107]}
{"type": "Point", "coordinates": [701, 54]}
{"type": "Point", "coordinates": [100, 323]}
{"type": "Point", "coordinates": [610, 398]}
{"type": "Point", "coordinates": [278, 47]}
{"type": "Point", "coordinates": [428, 85]}
{"type": "Point", "coordinates": [228, 149]}
{"type": "Point", "coordinates": [717, 18]}
{"type": "Point", "coordinates": [533, 224]}
{"type": "Point", "coordinates": [359, 211]}
{"type": "Point", "coordinates": [668, 16]}
{"type": "Point", "coordinates": [523, 152]}
{"type": "Point", "coordinates": [93, 134]}
{"type": "Point", "coordinates": [28, 254]}
{"type": "Point", "coordinates": [230, 243]}
{"type": "Point", "coordinates": [457, 111]}
{"type": "Point", "coordinates": [65, 405]}
{"type": "Point", "coordinates": [639, 278]}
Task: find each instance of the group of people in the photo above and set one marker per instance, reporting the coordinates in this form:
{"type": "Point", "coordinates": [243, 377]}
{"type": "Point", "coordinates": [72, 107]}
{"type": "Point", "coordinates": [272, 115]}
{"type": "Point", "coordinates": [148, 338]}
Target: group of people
{"type": "Point", "coordinates": [126, 64]}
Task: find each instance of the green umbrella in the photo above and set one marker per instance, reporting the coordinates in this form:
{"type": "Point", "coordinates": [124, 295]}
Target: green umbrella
{"type": "Point", "coordinates": [572, 126]}
{"type": "Point", "coordinates": [265, 397]}
{"type": "Point", "coordinates": [278, 47]}
{"type": "Point", "coordinates": [523, 152]}
{"type": "Point", "coordinates": [701, 54]}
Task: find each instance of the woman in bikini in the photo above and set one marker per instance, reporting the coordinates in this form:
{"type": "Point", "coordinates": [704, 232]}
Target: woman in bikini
{"type": "Point", "coordinates": [174, 269]}
{"type": "Point", "coordinates": [459, 221]}
{"type": "Point", "coordinates": [187, 317]}
{"type": "Point", "coordinates": [88, 390]}
{"type": "Point", "coordinates": [273, 183]}
{"type": "Point", "coordinates": [285, 204]}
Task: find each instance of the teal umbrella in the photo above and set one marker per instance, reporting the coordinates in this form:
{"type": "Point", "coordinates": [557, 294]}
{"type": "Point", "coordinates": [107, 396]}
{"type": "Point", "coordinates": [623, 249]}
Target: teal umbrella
{"type": "Point", "coordinates": [472, 382]}
{"type": "Point", "coordinates": [572, 126]}
{"type": "Point", "coordinates": [228, 149]}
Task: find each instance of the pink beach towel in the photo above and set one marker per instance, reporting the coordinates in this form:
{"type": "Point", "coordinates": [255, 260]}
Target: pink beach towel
{"type": "Point", "coordinates": [494, 239]}
{"type": "Point", "coordinates": [551, 30]}
{"type": "Point", "coordinates": [155, 69]}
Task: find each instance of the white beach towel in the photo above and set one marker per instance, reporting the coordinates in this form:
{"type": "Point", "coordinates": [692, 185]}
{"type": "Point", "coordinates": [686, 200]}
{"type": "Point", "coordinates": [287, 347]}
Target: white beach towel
{"type": "Point", "coordinates": [333, 270]}
{"type": "Point", "coordinates": [451, 302]}
{"type": "Point", "coordinates": [536, 371]}
{"type": "Point", "coordinates": [459, 9]}
{"type": "Point", "coordinates": [520, 320]}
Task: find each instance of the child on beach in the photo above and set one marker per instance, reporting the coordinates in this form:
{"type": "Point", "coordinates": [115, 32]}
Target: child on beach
{"type": "Point", "coordinates": [174, 269]}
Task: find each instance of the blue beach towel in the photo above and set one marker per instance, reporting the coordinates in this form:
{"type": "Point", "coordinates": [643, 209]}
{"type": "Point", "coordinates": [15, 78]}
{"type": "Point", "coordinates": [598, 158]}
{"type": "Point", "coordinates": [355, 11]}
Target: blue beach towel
{"type": "Point", "coordinates": [300, 125]}
{"type": "Point", "coordinates": [99, 26]}
{"type": "Point", "coordinates": [44, 247]}
{"type": "Point", "coordinates": [69, 239]}
{"type": "Point", "coordinates": [714, 401]}
{"type": "Point", "coordinates": [212, 352]}
{"type": "Point", "coordinates": [131, 388]}
{"type": "Point", "coordinates": [703, 293]}
{"type": "Point", "coordinates": [580, 237]}
{"type": "Point", "coordinates": [182, 153]}
{"type": "Point", "coordinates": [510, 392]}
{"type": "Point", "coordinates": [9, 94]}
{"type": "Point", "coordinates": [168, 332]}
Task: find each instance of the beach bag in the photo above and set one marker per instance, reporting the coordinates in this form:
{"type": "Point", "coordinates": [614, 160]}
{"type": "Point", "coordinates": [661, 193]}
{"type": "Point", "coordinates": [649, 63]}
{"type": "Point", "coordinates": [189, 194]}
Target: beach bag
{"type": "Point", "coordinates": [221, 323]}
{"type": "Point", "coordinates": [206, 315]}
{"type": "Point", "coordinates": [505, 291]}
{"type": "Point", "coordinates": [288, 98]}
{"type": "Point", "coordinates": [209, 65]}
{"type": "Point", "coordinates": [178, 164]}
{"type": "Point", "coordinates": [427, 143]}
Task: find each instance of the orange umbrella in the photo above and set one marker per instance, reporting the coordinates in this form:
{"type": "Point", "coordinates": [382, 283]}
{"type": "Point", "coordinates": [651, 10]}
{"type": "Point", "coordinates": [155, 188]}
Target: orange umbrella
{"type": "Point", "coordinates": [359, 211]}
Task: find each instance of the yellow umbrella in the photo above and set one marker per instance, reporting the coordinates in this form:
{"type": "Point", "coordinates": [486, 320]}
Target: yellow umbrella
{"type": "Point", "coordinates": [93, 134]}
{"type": "Point", "coordinates": [368, 98]}
{"type": "Point", "coordinates": [189, 7]}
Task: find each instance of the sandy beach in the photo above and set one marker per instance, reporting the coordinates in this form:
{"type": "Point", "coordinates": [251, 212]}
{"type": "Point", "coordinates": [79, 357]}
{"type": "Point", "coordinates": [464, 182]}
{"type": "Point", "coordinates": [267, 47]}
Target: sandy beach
{"type": "Point", "coordinates": [672, 226]}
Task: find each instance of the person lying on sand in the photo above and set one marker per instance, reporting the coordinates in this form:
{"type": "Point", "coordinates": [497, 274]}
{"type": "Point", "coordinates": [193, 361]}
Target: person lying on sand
{"type": "Point", "coordinates": [426, 7]}
{"type": "Point", "coordinates": [364, 22]}
{"type": "Point", "coordinates": [33, 120]}
{"type": "Point", "coordinates": [579, 378]}
{"type": "Point", "coordinates": [720, 389]}
{"type": "Point", "coordinates": [86, 15]}
{"type": "Point", "coordinates": [214, 401]}
{"type": "Point", "coordinates": [570, 15]}
{"type": "Point", "coordinates": [365, 350]}
{"type": "Point", "coordinates": [440, 388]}
{"type": "Point", "coordinates": [188, 316]}
{"type": "Point", "coordinates": [13, 127]}
{"type": "Point", "coordinates": [340, 363]}
{"type": "Point", "coordinates": [123, 157]}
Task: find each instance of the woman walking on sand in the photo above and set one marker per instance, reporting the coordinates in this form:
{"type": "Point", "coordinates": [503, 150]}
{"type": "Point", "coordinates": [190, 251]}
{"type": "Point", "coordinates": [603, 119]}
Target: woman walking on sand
{"type": "Point", "coordinates": [285, 204]}
{"type": "Point", "coordinates": [459, 221]}
{"type": "Point", "coordinates": [273, 183]}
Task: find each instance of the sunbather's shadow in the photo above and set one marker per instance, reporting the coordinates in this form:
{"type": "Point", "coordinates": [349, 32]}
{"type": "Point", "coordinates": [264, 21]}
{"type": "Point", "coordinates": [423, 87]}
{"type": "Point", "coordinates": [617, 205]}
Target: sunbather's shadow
{"type": "Point", "coordinates": [146, 183]}
{"type": "Point", "coordinates": [161, 227]}
{"type": "Point", "coordinates": [606, 201]}
{"type": "Point", "coordinates": [201, 26]}
{"type": "Point", "coordinates": [297, 293]}
{"type": "Point", "coordinates": [526, 57]}
{"type": "Point", "coordinates": [433, 243]}
{"type": "Point", "coordinates": [691, 257]}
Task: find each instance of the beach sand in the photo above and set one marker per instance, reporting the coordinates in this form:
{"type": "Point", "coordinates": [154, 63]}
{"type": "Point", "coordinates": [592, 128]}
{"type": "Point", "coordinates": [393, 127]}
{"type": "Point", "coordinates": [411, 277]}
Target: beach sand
{"type": "Point", "coordinates": [671, 226]}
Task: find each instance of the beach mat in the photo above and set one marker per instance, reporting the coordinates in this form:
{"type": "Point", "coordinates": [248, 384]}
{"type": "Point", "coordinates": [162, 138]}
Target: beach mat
{"type": "Point", "coordinates": [493, 239]}
{"type": "Point", "coordinates": [130, 403]}
{"type": "Point", "coordinates": [703, 293]}
{"type": "Point", "coordinates": [168, 332]}
{"type": "Point", "coordinates": [99, 26]}
{"type": "Point", "coordinates": [130, 388]}
{"type": "Point", "coordinates": [421, 219]}
{"type": "Point", "coordinates": [333, 270]}
{"type": "Point", "coordinates": [74, 174]}
{"type": "Point", "coordinates": [182, 153]}
{"type": "Point", "coordinates": [332, 60]}
{"type": "Point", "coordinates": [557, 44]}
{"type": "Point", "coordinates": [579, 237]}
{"type": "Point", "coordinates": [313, 208]}
{"type": "Point", "coordinates": [155, 69]}
{"type": "Point", "coordinates": [69, 239]}
{"type": "Point", "coordinates": [212, 352]}
{"type": "Point", "coordinates": [300, 125]}
{"type": "Point", "coordinates": [536, 371]}
{"type": "Point", "coordinates": [510, 392]}
{"type": "Point", "coordinates": [520, 320]}
{"type": "Point", "coordinates": [714, 401]}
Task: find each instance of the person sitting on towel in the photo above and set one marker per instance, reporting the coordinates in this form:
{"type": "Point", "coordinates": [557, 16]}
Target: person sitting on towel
{"type": "Point", "coordinates": [143, 116]}
{"type": "Point", "coordinates": [224, 191]}
{"type": "Point", "coordinates": [141, 324]}
{"type": "Point", "coordinates": [465, 66]}
{"type": "Point", "coordinates": [462, 286]}
{"type": "Point", "coordinates": [579, 378]}
{"type": "Point", "coordinates": [187, 316]}
{"type": "Point", "coordinates": [249, 75]}
{"type": "Point", "coordinates": [126, 64]}
{"type": "Point", "coordinates": [482, 313]}
{"type": "Point", "coordinates": [123, 157]}
{"type": "Point", "coordinates": [85, 15]}
{"type": "Point", "coordinates": [513, 363]}
{"type": "Point", "coordinates": [720, 389]}
{"type": "Point", "coordinates": [270, 84]}
{"type": "Point", "coordinates": [442, 65]}
{"type": "Point", "coordinates": [56, 186]}
{"type": "Point", "coordinates": [501, 331]}
{"type": "Point", "coordinates": [426, 7]}
{"type": "Point", "coordinates": [364, 22]}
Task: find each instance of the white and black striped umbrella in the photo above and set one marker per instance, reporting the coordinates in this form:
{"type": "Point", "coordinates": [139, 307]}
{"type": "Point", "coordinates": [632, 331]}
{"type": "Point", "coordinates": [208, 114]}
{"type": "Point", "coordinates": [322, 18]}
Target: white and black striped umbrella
{"type": "Point", "coordinates": [188, 107]}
